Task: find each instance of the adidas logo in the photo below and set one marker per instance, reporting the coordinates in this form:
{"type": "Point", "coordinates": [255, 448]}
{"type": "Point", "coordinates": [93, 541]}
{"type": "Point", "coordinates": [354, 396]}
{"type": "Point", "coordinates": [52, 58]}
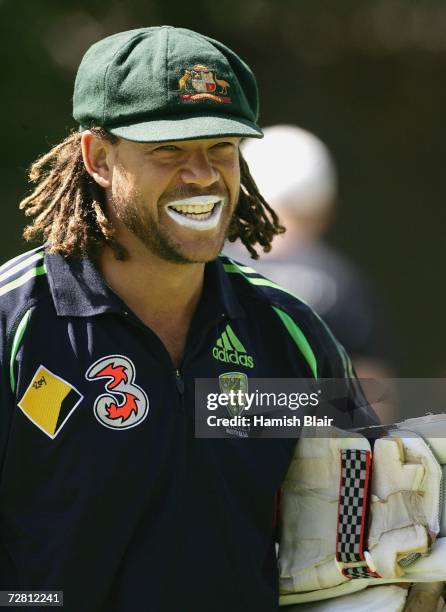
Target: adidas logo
{"type": "Point", "coordinates": [229, 349]}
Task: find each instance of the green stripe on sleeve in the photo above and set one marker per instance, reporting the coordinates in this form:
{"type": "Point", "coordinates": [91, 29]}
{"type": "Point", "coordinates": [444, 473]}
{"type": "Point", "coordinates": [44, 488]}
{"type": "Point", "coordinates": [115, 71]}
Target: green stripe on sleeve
{"type": "Point", "coordinates": [22, 256]}
{"type": "Point", "coordinates": [21, 280]}
{"type": "Point", "coordinates": [264, 282]}
{"type": "Point", "coordinates": [254, 280]}
{"type": "Point", "coordinates": [234, 268]}
{"type": "Point", "coordinates": [299, 338]}
{"type": "Point", "coordinates": [21, 266]}
{"type": "Point", "coordinates": [234, 340]}
{"type": "Point", "coordinates": [230, 268]}
{"type": "Point", "coordinates": [292, 327]}
{"type": "Point", "coordinates": [16, 345]}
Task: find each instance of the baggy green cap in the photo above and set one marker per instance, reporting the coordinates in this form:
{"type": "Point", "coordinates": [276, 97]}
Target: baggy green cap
{"type": "Point", "coordinates": [164, 83]}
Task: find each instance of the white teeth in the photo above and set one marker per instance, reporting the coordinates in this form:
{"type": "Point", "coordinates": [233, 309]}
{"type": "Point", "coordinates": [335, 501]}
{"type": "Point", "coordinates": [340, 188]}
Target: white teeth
{"type": "Point", "coordinates": [201, 217]}
{"type": "Point", "coordinates": [205, 200]}
{"type": "Point", "coordinates": [198, 212]}
{"type": "Point", "coordinates": [196, 208]}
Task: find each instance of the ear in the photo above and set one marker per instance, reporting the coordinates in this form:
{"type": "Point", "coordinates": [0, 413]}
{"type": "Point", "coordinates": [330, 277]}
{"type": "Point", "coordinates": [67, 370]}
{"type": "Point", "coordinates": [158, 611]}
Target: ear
{"type": "Point", "coordinates": [97, 156]}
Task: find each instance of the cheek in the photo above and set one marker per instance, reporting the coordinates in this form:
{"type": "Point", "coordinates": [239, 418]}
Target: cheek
{"type": "Point", "coordinates": [126, 190]}
{"type": "Point", "coordinates": [234, 182]}
{"type": "Point", "coordinates": [123, 199]}
{"type": "Point", "coordinates": [121, 186]}
{"type": "Point", "coordinates": [230, 173]}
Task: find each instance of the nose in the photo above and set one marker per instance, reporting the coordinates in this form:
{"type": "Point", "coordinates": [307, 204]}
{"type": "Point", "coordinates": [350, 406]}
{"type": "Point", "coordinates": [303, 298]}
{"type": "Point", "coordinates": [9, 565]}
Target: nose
{"type": "Point", "coordinates": [199, 170]}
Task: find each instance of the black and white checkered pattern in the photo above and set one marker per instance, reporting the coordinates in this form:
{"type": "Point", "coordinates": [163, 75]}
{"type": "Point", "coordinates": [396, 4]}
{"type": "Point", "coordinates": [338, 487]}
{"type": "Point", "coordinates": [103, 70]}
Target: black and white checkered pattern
{"type": "Point", "coordinates": [357, 572]}
{"type": "Point", "coordinates": [355, 475]}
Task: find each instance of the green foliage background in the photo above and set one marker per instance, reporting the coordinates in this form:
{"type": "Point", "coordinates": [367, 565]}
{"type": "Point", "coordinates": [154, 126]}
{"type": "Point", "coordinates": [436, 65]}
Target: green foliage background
{"type": "Point", "coordinates": [367, 76]}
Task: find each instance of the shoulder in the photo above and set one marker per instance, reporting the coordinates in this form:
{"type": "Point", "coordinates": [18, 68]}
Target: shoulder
{"type": "Point", "coordinates": [248, 283]}
{"type": "Point", "coordinates": [325, 355]}
{"type": "Point", "coordinates": [22, 284]}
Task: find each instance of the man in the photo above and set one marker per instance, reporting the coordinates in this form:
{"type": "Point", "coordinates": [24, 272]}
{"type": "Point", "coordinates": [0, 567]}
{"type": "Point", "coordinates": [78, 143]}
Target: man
{"type": "Point", "coordinates": [105, 492]}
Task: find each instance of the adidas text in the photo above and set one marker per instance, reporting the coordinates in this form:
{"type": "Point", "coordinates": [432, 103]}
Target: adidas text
{"type": "Point", "coordinates": [233, 357]}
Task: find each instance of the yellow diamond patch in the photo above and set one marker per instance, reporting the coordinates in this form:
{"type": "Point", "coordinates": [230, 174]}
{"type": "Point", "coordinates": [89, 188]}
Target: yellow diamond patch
{"type": "Point", "coordinates": [49, 401]}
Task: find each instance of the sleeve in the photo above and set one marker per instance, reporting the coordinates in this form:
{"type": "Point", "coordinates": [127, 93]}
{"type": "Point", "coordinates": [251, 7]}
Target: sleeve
{"type": "Point", "coordinates": [6, 395]}
{"type": "Point", "coordinates": [345, 396]}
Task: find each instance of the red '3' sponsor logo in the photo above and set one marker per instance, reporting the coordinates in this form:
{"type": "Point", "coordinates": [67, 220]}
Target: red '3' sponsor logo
{"type": "Point", "coordinates": [125, 404]}
{"type": "Point", "coordinates": [117, 374]}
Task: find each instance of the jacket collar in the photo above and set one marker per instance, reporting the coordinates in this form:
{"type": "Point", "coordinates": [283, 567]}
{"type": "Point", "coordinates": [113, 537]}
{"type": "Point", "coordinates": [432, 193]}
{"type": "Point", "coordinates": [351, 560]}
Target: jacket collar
{"type": "Point", "coordinates": [79, 290]}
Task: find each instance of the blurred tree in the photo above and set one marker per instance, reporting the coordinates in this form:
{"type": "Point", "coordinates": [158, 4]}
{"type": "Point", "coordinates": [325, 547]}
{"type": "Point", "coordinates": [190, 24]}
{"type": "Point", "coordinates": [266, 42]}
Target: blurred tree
{"type": "Point", "coordinates": [365, 75]}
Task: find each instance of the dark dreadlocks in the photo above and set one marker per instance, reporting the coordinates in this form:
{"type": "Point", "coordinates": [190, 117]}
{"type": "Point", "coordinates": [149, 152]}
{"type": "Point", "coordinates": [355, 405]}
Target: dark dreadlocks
{"type": "Point", "coordinates": [68, 206]}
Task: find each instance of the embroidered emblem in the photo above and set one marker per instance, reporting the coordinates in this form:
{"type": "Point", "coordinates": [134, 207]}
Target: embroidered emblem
{"type": "Point", "coordinates": [49, 401]}
{"type": "Point", "coordinates": [235, 385]}
{"type": "Point", "coordinates": [126, 404]}
{"type": "Point", "coordinates": [237, 382]}
{"type": "Point", "coordinates": [200, 83]}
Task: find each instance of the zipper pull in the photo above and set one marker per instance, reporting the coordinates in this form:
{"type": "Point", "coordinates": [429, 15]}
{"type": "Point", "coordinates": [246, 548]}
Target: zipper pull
{"type": "Point", "coordinates": [179, 381]}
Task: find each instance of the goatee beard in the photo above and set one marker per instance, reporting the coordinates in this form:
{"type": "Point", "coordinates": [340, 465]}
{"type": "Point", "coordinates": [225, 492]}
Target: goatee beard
{"type": "Point", "coordinates": [146, 228]}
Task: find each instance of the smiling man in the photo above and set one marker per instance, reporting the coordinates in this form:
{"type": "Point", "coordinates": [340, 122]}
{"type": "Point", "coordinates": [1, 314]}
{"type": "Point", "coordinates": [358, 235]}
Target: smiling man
{"type": "Point", "coordinates": [106, 494]}
{"type": "Point", "coordinates": [176, 198]}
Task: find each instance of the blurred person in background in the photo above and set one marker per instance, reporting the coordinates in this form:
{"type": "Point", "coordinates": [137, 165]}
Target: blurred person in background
{"type": "Point", "coordinates": [295, 172]}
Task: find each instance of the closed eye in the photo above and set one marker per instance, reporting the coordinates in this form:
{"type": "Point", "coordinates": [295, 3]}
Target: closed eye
{"type": "Point", "coordinates": [167, 148]}
{"type": "Point", "coordinates": [221, 145]}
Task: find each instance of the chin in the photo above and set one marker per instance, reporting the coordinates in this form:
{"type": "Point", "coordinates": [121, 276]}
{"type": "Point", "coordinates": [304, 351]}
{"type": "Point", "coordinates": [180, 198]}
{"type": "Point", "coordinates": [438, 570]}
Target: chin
{"type": "Point", "coordinates": [201, 257]}
{"type": "Point", "coordinates": [180, 254]}
{"type": "Point", "coordinates": [201, 253]}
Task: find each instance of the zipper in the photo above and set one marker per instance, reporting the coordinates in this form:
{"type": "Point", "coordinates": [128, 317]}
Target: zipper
{"type": "Point", "coordinates": [180, 387]}
{"type": "Point", "coordinates": [179, 381]}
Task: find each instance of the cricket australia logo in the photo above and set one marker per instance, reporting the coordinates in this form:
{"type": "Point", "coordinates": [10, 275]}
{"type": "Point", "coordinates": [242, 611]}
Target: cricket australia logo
{"type": "Point", "coordinates": [125, 405]}
{"type": "Point", "coordinates": [201, 83]}
{"type": "Point", "coordinates": [229, 349]}
{"type": "Point", "coordinates": [234, 384]}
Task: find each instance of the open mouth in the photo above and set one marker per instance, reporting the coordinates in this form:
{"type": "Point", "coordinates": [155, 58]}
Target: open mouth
{"type": "Point", "coordinates": [197, 212]}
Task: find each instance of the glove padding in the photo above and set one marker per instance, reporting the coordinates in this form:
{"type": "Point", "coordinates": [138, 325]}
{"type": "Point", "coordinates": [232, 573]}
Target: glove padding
{"type": "Point", "coordinates": [404, 516]}
{"type": "Point", "coordinates": [390, 598]}
{"type": "Point", "coordinates": [421, 597]}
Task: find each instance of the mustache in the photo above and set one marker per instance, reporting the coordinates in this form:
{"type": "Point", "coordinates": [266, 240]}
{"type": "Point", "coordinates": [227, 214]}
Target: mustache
{"type": "Point", "coordinates": [184, 192]}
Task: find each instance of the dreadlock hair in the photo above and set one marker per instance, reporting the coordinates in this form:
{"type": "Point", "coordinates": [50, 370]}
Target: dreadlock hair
{"type": "Point", "coordinates": [254, 221]}
{"type": "Point", "coordinates": [68, 207]}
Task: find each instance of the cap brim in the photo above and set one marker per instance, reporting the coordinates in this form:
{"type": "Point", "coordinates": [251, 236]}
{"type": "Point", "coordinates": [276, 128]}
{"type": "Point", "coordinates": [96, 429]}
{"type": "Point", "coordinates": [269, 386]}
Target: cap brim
{"type": "Point", "coordinates": [187, 128]}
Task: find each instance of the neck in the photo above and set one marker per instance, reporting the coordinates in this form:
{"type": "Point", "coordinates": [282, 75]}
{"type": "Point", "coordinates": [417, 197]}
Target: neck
{"type": "Point", "coordinates": [152, 284]}
{"type": "Point", "coordinates": [163, 294]}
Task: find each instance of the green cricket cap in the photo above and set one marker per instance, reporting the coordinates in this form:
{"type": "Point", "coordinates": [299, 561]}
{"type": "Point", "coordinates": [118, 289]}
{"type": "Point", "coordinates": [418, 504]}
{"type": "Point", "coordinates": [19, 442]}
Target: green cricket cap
{"type": "Point", "coordinates": [164, 83]}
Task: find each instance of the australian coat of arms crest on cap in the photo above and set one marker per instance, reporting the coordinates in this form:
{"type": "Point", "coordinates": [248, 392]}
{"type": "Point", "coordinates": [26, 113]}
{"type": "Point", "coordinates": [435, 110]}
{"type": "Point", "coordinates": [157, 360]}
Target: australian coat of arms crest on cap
{"type": "Point", "coordinates": [200, 82]}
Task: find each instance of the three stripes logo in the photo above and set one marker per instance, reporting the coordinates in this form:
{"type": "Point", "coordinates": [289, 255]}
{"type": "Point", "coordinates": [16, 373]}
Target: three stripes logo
{"type": "Point", "coordinates": [21, 269]}
{"type": "Point", "coordinates": [229, 349]}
